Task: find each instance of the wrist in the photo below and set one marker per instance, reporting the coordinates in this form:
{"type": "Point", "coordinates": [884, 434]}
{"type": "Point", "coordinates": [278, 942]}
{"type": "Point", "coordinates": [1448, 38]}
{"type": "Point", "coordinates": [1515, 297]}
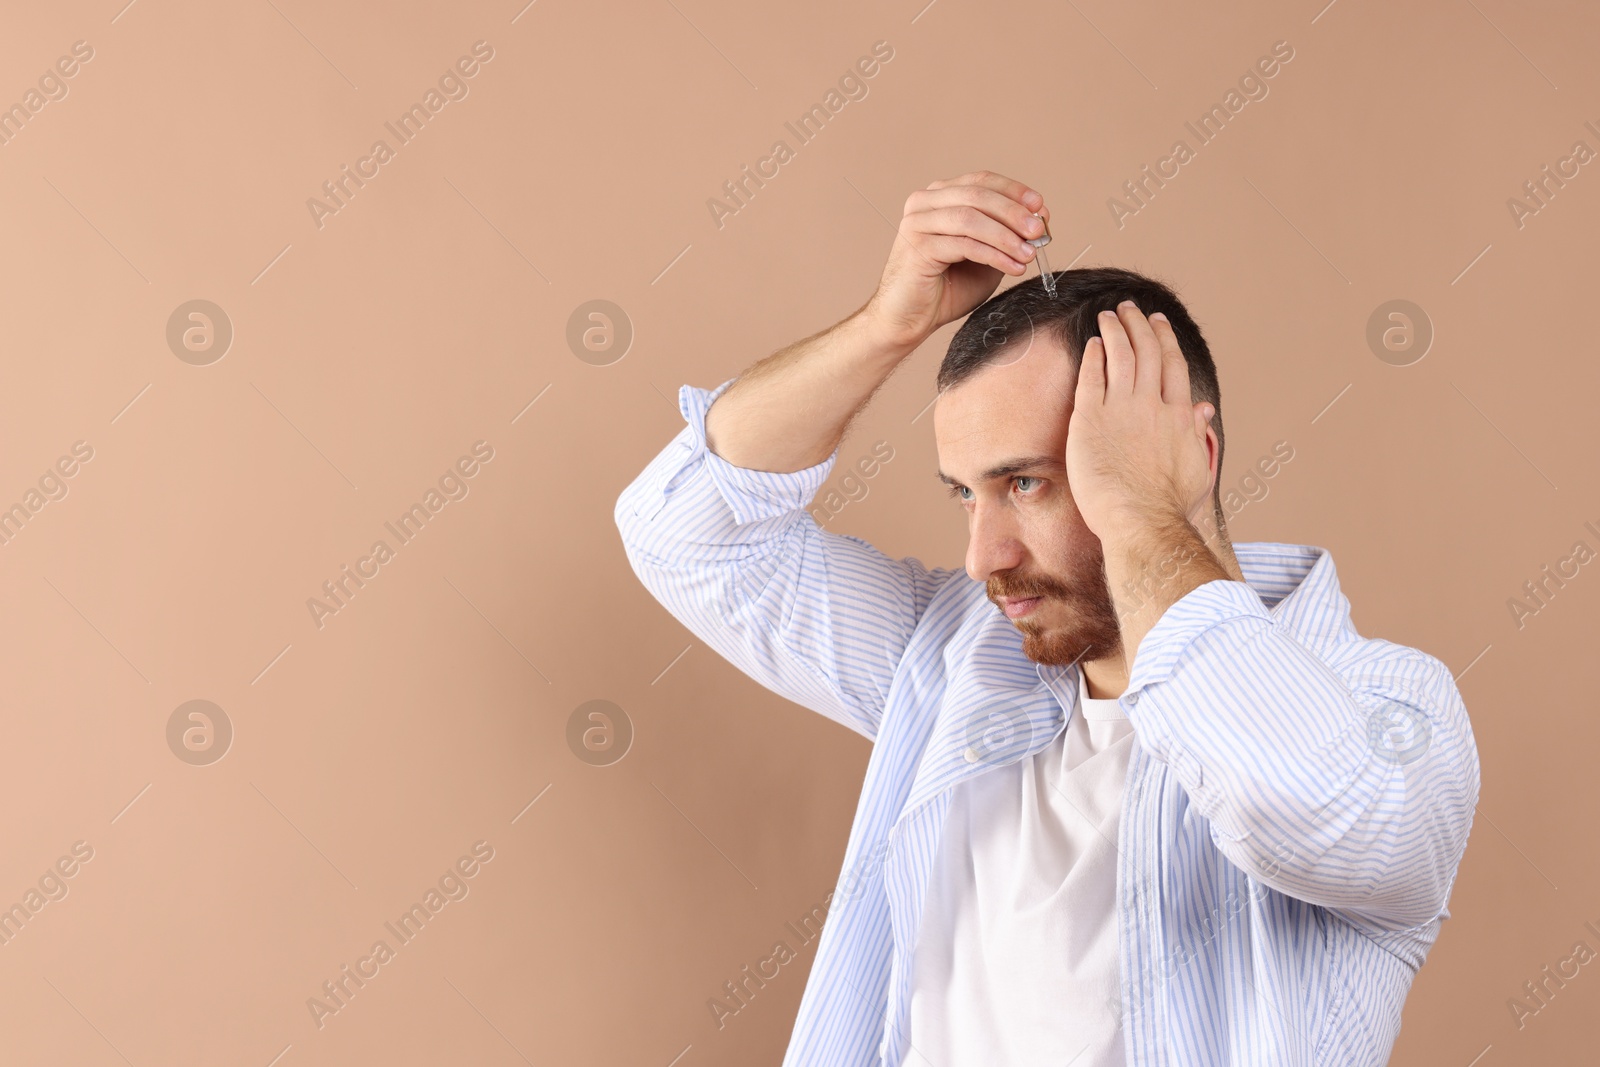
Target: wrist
{"type": "Point", "coordinates": [883, 337]}
{"type": "Point", "coordinates": [1133, 532]}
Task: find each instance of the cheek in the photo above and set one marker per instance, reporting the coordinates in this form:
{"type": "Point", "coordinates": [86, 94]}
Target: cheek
{"type": "Point", "coordinates": [1082, 553]}
{"type": "Point", "coordinates": [1063, 522]}
{"type": "Point", "coordinates": [1057, 538]}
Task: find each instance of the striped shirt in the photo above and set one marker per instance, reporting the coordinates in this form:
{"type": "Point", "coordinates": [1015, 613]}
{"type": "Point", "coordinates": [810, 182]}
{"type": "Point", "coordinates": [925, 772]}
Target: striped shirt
{"type": "Point", "coordinates": [1297, 799]}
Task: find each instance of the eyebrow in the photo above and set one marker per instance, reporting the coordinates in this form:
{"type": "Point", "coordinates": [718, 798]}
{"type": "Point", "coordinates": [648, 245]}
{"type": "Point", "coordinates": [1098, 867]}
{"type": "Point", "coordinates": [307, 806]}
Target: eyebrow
{"type": "Point", "coordinates": [1013, 466]}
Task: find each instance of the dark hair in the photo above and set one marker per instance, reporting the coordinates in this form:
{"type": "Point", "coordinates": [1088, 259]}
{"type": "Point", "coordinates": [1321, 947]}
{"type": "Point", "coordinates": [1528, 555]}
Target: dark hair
{"type": "Point", "coordinates": [1011, 317]}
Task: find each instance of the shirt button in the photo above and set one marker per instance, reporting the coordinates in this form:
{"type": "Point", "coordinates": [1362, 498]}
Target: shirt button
{"type": "Point", "coordinates": [971, 754]}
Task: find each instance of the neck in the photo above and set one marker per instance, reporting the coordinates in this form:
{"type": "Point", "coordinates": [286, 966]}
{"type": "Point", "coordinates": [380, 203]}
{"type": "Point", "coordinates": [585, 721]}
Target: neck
{"type": "Point", "coordinates": [1214, 532]}
{"type": "Point", "coordinates": [1105, 679]}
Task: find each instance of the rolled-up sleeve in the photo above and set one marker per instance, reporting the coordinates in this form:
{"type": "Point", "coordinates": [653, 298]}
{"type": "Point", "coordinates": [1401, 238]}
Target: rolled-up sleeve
{"type": "Point", "coordinates": [820, 618]}
{"type": "Point", "coordinates": [1346, 777]}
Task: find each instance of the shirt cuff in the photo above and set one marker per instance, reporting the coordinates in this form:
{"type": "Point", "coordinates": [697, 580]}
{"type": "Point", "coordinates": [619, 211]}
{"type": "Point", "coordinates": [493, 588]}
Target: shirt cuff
{"type": "Point", "coordinates": [751, 495]}
{"type": "Point", "coordinates": [1195, 612]}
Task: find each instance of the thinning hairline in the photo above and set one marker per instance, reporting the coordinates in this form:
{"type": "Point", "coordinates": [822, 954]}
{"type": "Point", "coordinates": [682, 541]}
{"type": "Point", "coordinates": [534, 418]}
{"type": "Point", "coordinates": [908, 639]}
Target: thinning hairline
{"type": "Point", "coordinates": [1058, 329]}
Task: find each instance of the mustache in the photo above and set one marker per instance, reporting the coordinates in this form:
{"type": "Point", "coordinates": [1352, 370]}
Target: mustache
{"type": "Point", "coordinates": [1027, 587]}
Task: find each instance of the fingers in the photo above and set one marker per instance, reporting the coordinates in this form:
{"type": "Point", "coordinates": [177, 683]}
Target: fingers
{"type": "Point", "coordinates": [1119, 355]}
{"type": "Point", "coordinates": [953, 248]}
{"type": "Point", "coordinates": [1174, 368]}
{"type": "Point", "coordinates": [984, 217]}
{"type": "Point", "coordinates": [1013, 205]}
{"type": "Point", "coordinates": [1091, 389]}
{"type": "Point", "coordinates": [961, 220]}
{"type": "Point", "coordinates": [1143, 354]}
{"type": "Point", "coordinates": [1147, 357]}
{"type": "Point", "coordinates": [1008, 187]}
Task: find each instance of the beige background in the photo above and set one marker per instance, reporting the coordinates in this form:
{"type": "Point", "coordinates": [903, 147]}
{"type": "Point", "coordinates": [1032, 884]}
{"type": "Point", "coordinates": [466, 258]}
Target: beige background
{"type": "Point", "coordinates": [368, 354]}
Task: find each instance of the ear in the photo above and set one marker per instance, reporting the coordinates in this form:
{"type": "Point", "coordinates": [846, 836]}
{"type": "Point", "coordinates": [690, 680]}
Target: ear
{"type": "Point", "coordinates": [1203, 412]}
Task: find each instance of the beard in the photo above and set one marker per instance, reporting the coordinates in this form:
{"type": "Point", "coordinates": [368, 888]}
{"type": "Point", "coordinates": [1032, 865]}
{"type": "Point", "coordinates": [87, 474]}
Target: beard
{"type": "Point", "coordinates": [1069, 623]}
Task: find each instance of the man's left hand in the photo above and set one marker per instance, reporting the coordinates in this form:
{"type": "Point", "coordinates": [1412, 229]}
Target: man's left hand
{"type": "Point", "coordinates": [1138, 456]}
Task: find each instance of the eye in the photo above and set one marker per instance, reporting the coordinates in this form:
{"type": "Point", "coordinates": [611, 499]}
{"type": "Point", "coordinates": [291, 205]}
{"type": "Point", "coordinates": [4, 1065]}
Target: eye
{"type": "Point", "coordinates": [958, 492]}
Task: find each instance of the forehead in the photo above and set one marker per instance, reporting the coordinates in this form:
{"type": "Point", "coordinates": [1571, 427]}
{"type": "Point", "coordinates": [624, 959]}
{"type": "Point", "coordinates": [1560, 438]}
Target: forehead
{"type": "Point", "coordinates": [1016, 406]}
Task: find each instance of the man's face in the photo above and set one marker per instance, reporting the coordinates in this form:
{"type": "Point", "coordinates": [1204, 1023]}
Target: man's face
{"type": "Point", "coordinates": [1002, 442]}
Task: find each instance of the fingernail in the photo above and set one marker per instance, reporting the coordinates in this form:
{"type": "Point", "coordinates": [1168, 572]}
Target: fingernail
{"type": "Point", "coordinates": [1128, 304]}
{"type": "Point", "coordinates": [1159, 317]}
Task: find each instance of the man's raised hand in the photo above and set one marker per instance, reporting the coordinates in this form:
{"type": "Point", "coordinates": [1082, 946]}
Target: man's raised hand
{"type": "Point", "coordinates": [955, 240]}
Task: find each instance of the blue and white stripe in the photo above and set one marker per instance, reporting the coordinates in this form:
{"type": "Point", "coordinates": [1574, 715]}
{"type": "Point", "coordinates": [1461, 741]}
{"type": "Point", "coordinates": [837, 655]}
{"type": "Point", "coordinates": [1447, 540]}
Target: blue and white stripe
{"type": "Point", "coordinates": [1298, 797]}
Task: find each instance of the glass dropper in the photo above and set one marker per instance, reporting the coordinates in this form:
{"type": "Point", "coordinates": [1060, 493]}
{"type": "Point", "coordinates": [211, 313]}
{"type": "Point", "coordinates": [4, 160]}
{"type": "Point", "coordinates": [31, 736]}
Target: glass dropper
{"type": "Point", "coordinates": [1045, 274]}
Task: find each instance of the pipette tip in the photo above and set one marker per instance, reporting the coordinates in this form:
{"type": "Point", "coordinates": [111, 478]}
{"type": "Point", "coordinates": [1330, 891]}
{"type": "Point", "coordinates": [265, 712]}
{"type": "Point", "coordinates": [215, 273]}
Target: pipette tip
{"type": "Point", "coordinates": [1046, 275]}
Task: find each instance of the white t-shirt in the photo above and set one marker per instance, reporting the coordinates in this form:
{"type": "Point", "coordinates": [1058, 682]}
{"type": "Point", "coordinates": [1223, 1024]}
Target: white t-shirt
{"type": "Point", "coordinates": [1017, 961]}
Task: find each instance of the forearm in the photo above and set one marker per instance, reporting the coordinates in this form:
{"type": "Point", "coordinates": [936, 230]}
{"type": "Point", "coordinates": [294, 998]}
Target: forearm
{"type": "Point", "coordinates": [1155, 565]}
{"type": "Point", "coordinates": [1338, 769]}
{"type": "Point", "coordinates": [731, 553]}
{"type": "Point", "coordinates": [791, 410]}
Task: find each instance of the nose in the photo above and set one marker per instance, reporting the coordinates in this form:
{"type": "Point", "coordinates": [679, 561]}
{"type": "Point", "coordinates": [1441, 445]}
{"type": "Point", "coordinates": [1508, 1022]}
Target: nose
{"type": "Point", "coordinates": [992, 544]}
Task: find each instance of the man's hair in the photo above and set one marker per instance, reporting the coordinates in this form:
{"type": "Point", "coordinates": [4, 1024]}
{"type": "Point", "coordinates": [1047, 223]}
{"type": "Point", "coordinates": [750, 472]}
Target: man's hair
{"type": "Point", "coordinates": [1010, 319]}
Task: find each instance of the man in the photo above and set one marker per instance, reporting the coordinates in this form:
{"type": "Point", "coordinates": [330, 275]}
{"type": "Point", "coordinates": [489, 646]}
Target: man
{"type": "Point", "coordinates": [1137, 795]}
